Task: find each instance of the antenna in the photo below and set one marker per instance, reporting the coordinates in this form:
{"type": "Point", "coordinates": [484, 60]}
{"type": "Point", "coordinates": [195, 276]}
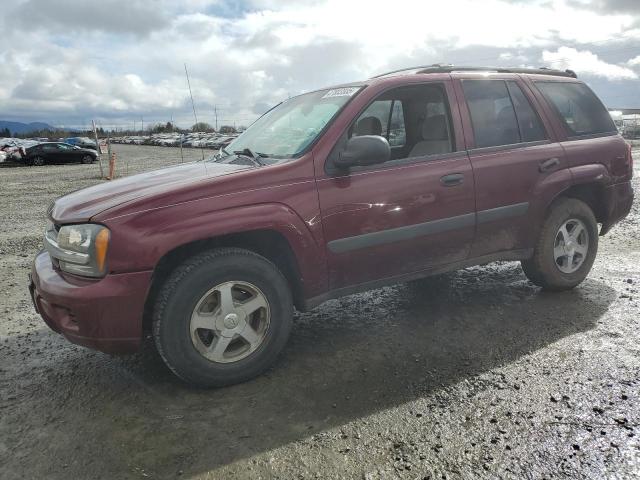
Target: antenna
{"type": "Point", "coordinates": [193, 105]}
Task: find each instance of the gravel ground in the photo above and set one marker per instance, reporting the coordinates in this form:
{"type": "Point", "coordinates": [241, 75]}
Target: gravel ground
{"type": "Point", "coordinates": [475, 374]}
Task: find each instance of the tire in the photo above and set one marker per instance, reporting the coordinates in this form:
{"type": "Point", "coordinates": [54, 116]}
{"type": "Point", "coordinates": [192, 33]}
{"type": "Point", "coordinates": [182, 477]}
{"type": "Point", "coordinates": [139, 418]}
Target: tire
{"type": "Point", "coordinates": [557, 274]}
{"type": "Point", "coordinates": [87, 159]}
{"type": "Point", "coordinates": [187, 291]}
{"type": "Point", "coordinates": [37, 161]}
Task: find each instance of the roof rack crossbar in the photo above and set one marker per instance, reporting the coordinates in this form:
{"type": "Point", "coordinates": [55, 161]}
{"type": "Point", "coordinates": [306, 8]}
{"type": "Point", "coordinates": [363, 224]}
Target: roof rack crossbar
{"type": "Point", "coordinates": [439, 68]}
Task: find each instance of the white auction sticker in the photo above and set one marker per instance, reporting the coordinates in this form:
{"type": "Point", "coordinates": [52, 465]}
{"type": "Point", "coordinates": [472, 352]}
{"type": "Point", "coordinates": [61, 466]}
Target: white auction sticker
{"type": "Point", "coordinates": [341, 92]}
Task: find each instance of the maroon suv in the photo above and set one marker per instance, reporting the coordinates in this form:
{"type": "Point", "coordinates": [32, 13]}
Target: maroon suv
{"type": "Point", "coordinates": [333, 192]}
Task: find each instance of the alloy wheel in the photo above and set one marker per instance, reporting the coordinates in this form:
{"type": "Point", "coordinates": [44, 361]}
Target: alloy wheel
{"type": "Point", "coordinates": [230, 322]}
{"type": "Point", "coordinates": [571, 245]}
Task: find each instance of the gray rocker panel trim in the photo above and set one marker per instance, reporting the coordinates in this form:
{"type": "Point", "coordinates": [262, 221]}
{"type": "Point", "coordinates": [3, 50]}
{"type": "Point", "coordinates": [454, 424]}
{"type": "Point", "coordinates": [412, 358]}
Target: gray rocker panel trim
{"type": "Point", "coordinates": [348, 244]}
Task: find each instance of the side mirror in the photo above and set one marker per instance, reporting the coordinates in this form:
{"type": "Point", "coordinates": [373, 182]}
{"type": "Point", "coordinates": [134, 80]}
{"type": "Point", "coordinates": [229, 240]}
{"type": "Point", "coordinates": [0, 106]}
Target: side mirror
{"type": "Point", "coordinates": [364, 150]}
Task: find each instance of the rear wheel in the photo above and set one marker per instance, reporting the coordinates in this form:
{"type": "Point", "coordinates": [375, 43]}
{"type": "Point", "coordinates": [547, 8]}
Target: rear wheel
{"type": "Point", "coordinates": [222, 317]}
{"type": "Point", "coordinates": [37, 161]}
{"type": "Point", "coordinates": [566, 247]}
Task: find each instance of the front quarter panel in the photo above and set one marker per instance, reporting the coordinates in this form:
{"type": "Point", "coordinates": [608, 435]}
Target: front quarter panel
{"type": "Point", "coordinates": [141, 239]}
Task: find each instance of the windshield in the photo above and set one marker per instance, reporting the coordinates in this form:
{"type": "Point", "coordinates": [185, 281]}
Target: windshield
{"type": "Point", "coordinates": [289, 128]}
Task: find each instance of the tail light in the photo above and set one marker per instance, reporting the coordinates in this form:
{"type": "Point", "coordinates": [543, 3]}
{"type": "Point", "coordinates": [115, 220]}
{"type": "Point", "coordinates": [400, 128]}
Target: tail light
{"type": "Point", "coordinates": [622, 165]}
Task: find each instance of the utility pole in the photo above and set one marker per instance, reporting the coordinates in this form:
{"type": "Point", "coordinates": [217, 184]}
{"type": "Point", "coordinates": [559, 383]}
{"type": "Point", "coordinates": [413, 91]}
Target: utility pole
{"type": "Point", "coordinates": [215, 111]}
{"type": "Point", "coordinates": [193, 105]}
{"type": "Point", "coordinates": [142, 119]}
{"type": "Point", "coordinates": [95, 134]}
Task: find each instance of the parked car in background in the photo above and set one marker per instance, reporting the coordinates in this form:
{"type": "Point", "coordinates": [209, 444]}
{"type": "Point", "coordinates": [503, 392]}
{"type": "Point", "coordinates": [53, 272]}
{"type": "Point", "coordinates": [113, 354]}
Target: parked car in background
{"type": "Point", "coordinates": [82, 142]}
{"type": "Point", "coordinates": [222, 142]}
{"type": "Point", "coordinates": [333, 192]}
{"type": "Point", "coordinates": [58, 152]}
{"type": "Point", "coordinates": [631, 128]}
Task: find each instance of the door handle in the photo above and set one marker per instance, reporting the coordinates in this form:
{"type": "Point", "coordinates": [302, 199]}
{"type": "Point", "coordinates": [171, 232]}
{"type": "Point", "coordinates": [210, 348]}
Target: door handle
{"type": "Point", "coordinates": [548, 164]}
{"type": "Point", "coordinates": [452, 179]}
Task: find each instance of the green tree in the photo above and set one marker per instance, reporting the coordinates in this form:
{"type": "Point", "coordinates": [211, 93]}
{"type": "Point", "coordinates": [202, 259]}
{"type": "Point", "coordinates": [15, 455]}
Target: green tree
{"type": "Point", "coordinates": [202, 127]}
{"type": "Point", "coordinates": [227, 129]}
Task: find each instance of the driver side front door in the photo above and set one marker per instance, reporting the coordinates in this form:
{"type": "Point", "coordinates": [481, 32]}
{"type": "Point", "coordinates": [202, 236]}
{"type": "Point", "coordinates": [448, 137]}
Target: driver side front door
{"type": "Point", "coordinates": [412, 213]}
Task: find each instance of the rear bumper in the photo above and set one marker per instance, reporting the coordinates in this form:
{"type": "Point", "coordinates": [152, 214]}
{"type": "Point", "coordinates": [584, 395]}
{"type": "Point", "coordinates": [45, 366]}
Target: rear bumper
{"type": "Point", "coordinates": [619, 198]}
{"type": "Point", "coordinates": [103, 314]}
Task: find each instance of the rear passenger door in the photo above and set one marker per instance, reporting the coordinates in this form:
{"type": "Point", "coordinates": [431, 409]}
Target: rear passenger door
{"type": "Point", "coordinates": [513, 153]}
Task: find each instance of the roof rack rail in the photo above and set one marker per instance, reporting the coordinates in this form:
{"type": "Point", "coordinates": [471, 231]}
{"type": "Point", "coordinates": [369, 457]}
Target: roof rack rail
{"type": "Point", "coordinates": [439, 68]}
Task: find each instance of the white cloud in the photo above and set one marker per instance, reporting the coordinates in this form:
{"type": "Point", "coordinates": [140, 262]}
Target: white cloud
{"type": "Point", "coordinates": [634, 62]}
{"type": "Point", "coordinates": [586, 62]}
{"type": "Point", "coordinates": [245, 61]}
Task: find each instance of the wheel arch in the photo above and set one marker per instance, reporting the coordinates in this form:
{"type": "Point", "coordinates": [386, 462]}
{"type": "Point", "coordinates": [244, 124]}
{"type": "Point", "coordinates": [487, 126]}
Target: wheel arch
{"type": "Point", "coordinates": [591, 193]}
{"type": "Point", "coordinates": [271, 244]}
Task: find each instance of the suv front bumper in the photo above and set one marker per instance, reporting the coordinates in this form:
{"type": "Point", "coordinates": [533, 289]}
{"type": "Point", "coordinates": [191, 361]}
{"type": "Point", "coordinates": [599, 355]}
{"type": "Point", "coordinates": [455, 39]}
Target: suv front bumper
{"type": "Point", "coordinates": [104, 314]}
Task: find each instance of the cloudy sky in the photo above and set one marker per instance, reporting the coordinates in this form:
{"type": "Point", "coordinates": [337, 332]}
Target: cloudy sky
{"type": "Point", "coordinates": [68, 61]}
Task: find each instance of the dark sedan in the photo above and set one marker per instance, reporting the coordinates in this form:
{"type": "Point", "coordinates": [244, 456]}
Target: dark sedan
{"type": "Point", "coordinates": [54, 152]}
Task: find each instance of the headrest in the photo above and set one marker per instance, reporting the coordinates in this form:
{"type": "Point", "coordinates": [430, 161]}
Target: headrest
{"type": "Point", "coordinates": [506, 115]}
{"type": "Point", "coordinates": [435, 128]}
{"type": "Point", "coordinates": [368, 126]}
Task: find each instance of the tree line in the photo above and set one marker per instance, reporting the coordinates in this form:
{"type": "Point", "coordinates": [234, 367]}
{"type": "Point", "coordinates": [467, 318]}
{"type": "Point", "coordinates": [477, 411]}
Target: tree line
{"type": "Point", "coordinates": [157, 128]}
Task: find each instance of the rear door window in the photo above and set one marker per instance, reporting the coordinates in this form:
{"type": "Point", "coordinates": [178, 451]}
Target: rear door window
{"type": "Point", "coordinates": [492, 113]}
{"type": "Point", "coordinates": [531, 129]}
{"type": "Point", "coordinates": [582, 112]}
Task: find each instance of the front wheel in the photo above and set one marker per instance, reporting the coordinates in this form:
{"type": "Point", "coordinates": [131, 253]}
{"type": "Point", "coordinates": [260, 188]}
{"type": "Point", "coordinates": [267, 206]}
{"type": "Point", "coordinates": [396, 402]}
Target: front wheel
{"type": "Point", "coordinates": [566, 246]}
{"type": "Point", "coordinates": [37, 161]}
{"type": "Point", "coordinates": [222, 317]}
{"type": "Point", "coordinates": [87, 159]}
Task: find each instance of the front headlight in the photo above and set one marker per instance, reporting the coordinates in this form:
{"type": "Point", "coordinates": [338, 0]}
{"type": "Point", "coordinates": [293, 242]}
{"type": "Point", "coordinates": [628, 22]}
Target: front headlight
{"type": "Point", "coordinates": [79, 249]}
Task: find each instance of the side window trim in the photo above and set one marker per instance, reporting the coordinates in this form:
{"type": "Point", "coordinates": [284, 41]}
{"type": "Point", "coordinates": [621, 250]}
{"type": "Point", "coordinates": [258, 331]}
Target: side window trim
{"type": "Point", "coordinates": [408, 161]}
{"type": "Point", "coordinates": [515, 112]}
{"type": "Point", "coordinates": [511, 146]}
{"type": "Point", "coordinates": [393, 102]}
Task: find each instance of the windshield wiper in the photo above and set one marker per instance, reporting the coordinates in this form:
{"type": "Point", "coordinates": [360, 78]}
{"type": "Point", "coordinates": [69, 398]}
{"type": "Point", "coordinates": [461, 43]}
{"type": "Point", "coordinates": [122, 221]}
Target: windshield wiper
{"type": "Point", "coordinates": [254, 156]}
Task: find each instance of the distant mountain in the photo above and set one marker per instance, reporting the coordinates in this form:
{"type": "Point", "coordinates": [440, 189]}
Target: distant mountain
{"type": "Point", "coordinates": [19, 127]}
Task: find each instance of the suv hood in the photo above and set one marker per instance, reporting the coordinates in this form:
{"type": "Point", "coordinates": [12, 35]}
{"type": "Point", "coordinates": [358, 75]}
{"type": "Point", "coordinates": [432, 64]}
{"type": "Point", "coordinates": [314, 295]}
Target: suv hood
{"type": "Point", "coordinates": [83, 204]}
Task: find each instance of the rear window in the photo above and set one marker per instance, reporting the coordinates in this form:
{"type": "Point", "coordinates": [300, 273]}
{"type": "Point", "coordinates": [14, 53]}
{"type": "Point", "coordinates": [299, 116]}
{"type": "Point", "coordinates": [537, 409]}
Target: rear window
{"type": "Point", "coordinates": [583, 113]}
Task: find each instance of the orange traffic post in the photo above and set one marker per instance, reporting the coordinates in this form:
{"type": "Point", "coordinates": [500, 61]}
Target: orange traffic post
{"type": "Point", "coordinates": [112, 167]}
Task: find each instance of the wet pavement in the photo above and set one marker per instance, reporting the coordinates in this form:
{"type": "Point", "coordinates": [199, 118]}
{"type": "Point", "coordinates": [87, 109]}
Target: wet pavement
{"type": "Point", "coordinates": [474, 374]}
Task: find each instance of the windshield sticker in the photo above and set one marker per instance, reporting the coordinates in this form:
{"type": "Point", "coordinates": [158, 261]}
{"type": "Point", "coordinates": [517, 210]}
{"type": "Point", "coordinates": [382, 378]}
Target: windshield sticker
{"type": "Point", "coordinates": [341, 92]}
